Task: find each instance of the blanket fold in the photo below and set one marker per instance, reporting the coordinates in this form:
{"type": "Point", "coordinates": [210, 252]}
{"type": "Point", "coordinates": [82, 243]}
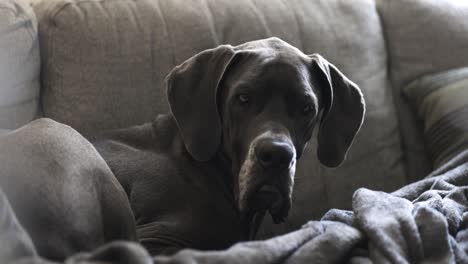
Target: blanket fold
{"type": "Point", "coordinates": [423, 222]}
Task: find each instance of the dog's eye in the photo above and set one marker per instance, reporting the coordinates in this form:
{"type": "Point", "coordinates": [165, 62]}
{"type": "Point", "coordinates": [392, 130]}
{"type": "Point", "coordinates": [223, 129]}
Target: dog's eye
{"type": "Point", "coordinates": [243, 98]}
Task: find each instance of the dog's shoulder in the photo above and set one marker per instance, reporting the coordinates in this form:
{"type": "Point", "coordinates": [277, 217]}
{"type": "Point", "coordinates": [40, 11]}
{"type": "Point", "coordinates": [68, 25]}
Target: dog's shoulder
{"type": "Point", "coordinates": [166, 134]}
{"type": "Point", "coordinates": [160, 136]}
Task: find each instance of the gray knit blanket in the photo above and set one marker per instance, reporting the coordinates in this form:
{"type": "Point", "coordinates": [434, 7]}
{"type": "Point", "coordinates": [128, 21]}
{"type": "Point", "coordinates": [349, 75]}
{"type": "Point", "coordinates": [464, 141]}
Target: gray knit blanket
{"type": "Point", "coordinates": [424, 222]}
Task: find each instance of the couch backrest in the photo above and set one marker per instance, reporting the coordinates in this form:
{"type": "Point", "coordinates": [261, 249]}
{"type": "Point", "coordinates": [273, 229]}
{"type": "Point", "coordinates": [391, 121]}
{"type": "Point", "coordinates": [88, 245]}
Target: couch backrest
{"type": "Point", "coordinates": [19, 64]}
{"type": "Point", "coordinates": [423, 37]}
{"type": "Point", "coordinates": [104, 64]}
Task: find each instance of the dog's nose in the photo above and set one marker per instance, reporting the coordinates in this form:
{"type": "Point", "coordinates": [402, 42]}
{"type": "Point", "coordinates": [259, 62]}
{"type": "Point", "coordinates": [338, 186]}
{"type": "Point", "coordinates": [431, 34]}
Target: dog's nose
{"type": "Point", "coordinates": [274, 154]}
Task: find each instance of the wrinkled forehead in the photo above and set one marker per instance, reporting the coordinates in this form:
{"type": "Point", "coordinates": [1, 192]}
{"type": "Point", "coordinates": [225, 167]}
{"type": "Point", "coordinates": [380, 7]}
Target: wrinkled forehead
{"type": "Point", "coordinates": [277, 71]}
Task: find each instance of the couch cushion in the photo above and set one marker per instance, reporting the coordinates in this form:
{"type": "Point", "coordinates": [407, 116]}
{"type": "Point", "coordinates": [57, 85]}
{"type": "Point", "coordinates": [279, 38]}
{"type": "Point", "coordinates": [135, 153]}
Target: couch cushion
{"type": "Point", "coordinates": [423, 37]}
{"type": "Point", "coordinates": [441, 100]}
{"type": "Point", "coordinates": [19, 64]}
{"type": "Point", "coordinates": [106, 61]}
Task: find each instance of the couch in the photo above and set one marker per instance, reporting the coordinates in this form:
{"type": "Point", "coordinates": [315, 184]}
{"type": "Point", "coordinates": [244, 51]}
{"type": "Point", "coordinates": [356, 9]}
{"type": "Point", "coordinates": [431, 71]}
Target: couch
{"type": "Point", "coordinates": [101, 64]}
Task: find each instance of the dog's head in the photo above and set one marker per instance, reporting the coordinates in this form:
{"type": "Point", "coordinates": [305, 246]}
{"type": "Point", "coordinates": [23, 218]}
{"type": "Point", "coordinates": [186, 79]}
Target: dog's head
{"type": "Point", "coordinates": [258, 104]}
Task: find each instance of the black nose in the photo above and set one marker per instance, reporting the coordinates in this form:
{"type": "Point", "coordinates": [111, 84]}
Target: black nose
{"type": "Point", "coordinates": [274, 153]}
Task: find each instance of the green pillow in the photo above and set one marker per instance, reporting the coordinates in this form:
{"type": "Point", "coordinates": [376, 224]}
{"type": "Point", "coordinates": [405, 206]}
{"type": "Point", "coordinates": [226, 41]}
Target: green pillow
{"type": "Point", "coordinates": [441, 101]}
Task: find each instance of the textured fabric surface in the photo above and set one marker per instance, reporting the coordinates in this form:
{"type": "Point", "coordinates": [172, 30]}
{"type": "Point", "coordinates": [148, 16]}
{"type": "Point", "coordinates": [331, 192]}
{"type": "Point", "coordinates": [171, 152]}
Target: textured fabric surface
{"type": "Point", "coordinates": [424, 222]}
{"type": "Point", "coordinates": [422, 37]}
{"type": "Point", "coordinates": [105, 63]}
{"type": "Point", "coordinates": [15, 241]}
{"type": "Point", "coordinates": [417, 160]}
{"type": "Point", "coordinates": [441, 100]}
{"type": "Point", "coordinates": [19, 64]}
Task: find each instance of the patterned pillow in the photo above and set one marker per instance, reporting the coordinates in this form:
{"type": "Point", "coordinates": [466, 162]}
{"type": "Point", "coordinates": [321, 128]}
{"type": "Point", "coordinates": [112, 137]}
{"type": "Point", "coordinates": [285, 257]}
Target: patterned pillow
{"type": "Point", "coordinates": [441, 101]}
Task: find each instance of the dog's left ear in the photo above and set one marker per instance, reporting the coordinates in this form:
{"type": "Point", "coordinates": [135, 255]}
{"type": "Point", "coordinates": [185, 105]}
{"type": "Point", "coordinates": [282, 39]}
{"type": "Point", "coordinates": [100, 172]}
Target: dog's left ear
{"type": "Point", "coordinates": [343, 112]}
{"type": "Point", "coordinates": [191, 91]}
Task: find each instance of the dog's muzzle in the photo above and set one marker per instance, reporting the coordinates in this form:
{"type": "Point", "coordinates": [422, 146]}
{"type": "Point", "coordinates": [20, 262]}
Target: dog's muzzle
{"type": "Point", "coordinates": [276, 157]}
{"type": "Point", "coordinates": [266, 179]}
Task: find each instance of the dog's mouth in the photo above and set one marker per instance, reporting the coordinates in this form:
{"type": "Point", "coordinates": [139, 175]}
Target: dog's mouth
{"type": "Point", "coordinates": [268, 198]}
{"type": "Point", "coordinates": [265, 182]}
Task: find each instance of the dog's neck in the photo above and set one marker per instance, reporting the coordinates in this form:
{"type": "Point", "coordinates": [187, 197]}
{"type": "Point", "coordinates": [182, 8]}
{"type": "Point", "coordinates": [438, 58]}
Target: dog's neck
{"type": "Point", "coordinates": [220, 162]}
{"type": "Point", "coordinates": [223, 163]}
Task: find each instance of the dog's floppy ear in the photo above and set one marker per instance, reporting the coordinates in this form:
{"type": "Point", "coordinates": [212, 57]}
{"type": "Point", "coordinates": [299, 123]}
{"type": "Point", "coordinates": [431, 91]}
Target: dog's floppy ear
{"type": "Point", "coordinates": [191, 91]}
{"type": "Point", "coordinates": [343, 112]}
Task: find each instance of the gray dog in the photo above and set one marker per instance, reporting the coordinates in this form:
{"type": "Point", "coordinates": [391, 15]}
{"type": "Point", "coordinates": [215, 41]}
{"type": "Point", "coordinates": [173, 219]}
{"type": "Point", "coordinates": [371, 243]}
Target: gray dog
{"type": "Point", "coordinates": [201, 177]}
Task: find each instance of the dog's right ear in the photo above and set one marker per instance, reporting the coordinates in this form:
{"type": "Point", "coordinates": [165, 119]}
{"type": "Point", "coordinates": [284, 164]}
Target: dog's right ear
{"type": "Point", "coordinates": [344, 110]}
{"type": "Point", "coordinates": [191, 90]}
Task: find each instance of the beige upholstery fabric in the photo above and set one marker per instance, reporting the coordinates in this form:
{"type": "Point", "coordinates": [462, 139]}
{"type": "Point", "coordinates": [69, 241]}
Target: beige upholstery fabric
{"type": "Point", "coordinates": [105, 63]}
{"type": "Point", "coordinates": [423, 37]}
{"type": "Point", "coordinates": [19, 64]}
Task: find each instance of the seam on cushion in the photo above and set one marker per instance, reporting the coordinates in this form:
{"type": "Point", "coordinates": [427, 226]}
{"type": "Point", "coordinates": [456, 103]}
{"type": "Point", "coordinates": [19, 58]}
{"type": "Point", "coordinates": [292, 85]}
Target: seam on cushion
{"type": "Point", "coordinates": [341, 45]}
{"type": "Point", "coordinates": [385, 38]}
{"type": "Point", "coordinates": [159, 11]}
{"type": "Point", "coordinates": [11, 10]}
{"type": "Point", "coordinates": [33, 33]}
{"type": "Point", "coordinates": [152, 43]}
{"type": "Point", "coordinates": [54, 13]}
{"type": "Point", "coordinates": [261, 18]}
{"type": "Point", "coordinates": [80, 2]}
{"type": "Point", "coordinates": [212, 23]}
{"type": "Point", "coordinates": [152, 51]}
{"type": "Point", "coordinates": [169, 36]}
{"type": "Point", "coordinates": [51, 17]}
{"type": "Point", "coordinates": [20, 13]}
{"type": "Point", "coordinates": [395, 91]}
{"type": "Point", "coordinates": [299, 28]}
{"type": "Point", "coordinates": [135, 10]}
{"type": "Point", "coordinates": [51, 30]}
{"type": "Point", "coordinates": [112, 28]}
